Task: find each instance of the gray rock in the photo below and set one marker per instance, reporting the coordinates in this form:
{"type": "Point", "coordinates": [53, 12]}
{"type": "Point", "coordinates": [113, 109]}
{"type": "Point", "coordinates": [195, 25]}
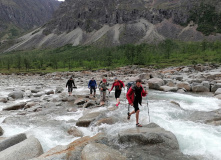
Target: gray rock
{"type": "Point", "coordinates": [89, 104]}
{"type": "Point", "coordinates": [8, 142]}
{"type": "Point", "coordinates": [80, 101]}
{"type": "Point", "coordinates": [25, 150]}
{"type": "Point", "coordinates": [74, 131]}
{"type": "Point", "coordinates": [168, 89]}
{"type": "Point", "coordinates": [181, 91]}
{"type": "Point", "coordinates": [1, 131]}
{"type": "Point", "coordinates": [184, 85]}
{"type": "Point", "coordinates": [16, 95]}
{"type": "Point", "coordinates": [179, 78]}
{"type": "Point", "coordinates": [218, 96]}
{"type": "Point", "coordinates": [15, 106]}
{"type": "Point", "coordinates": [49, 92]}
{"type": "Point", "coordinates": [3, 99]}
{"type": "Point", "coordinates": [30, 104]}
{"type": "Point", "coordinates": [97, 151]}
{"type": "Point", "coordinates": [38, 94]}
{"type": "Point", "coordinates": [155, 83]}
{"type": "Point", "coordinates": [218, 91]}
{"type": "Point", "coordinates": [35, 90]}
{"type": "Point", "coordinates": [200, 88]}
{"type": "Point", "coordinates": [59, 90]}
{"type": "Point", "coordinates": [215, 87]}
{"type": "Point", "coordinates": [86, 120]}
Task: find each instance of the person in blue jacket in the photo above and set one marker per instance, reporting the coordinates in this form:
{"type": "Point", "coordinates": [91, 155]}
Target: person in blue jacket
{"type": "Point", "coordinates": [92, 85]}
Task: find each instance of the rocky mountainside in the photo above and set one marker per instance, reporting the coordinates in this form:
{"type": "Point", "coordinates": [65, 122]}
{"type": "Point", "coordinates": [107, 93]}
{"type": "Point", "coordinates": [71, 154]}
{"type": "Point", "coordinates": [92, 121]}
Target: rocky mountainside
{"type": "Point", "coordinates": [114, 22]}
{"type": "Point", "coordinates": [17, 16]}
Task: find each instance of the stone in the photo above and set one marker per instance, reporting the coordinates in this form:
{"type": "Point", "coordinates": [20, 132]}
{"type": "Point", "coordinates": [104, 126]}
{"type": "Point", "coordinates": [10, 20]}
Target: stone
{"type": "Point", "coordinates": [16, 95]}
{"type": "Point", "coordinates": [200, 88]}
{"type": "Point", "coordinates": [35, 90]}
{"type": "Point", "coordinates": [218, 91]}
{"type": "Point", "coordinates": [80, 101]}
{"type": "Point", "coordinates": [38, 94]}
{"type": "Point", "coordinates": [1, 131]}
{"type": "Point", "coordinates": [179, 78]}
{"type": "Point", "coordinates": [49, 92]}
{"type": "Point", "coordinates": [86, 120]}
{"type": "Point", "coordinates": [3, 99]}
{"type": "Point", "coordinates": [89, 104]}
{"type": "Point", "coordinates": [181, 91]}
{"type": "Point", "coordinates": [168, 89]}
{"type": "Point", "coordinates": [184, 85]}
{"type": "Point", "coordinates": [109, 120]}
{"type": "Point", "coordinates": [155, 83]}
{"type": "Point", "coordinates": [74, 131]}
{"type": "Point", "coordinates": [8, 142]}
{"type": "Point", "coordinates": [15, 106]}
{"type": "Point", "coordinates": [97, 151]}
{"type": "Point", "coordinates": [30, 104]}
{"type": "Point", "coordinates": [25, 150]}
{"type": "Point", "coordinates": [59, 90]}
{"type": "Point", "coordinates": [144, 76]}
{"type": "Point", "coordinates": [218, 96]}
{"type": "Point", "coordinates": [215, 87]}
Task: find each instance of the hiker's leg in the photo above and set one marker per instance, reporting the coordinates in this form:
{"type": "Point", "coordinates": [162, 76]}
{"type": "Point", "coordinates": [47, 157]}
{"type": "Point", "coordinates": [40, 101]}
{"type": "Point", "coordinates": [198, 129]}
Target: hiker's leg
{"type": "Point", "coordinates": [94, 92]}
{"type": "Point", "coordinates": [137, 116]}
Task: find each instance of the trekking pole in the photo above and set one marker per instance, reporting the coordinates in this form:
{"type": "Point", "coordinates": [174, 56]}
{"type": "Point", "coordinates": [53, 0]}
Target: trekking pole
{"type": "Point", "coordinates": [148, 106]}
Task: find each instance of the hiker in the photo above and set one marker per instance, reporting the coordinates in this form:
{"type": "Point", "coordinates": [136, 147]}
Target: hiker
{"type": "Point", "coordinates": [92, 85]}
{"type": "Point", "coordinates": [134, 97]}
{"type": "Point", "coordinates": [103, 88]}
{"type": "Point", "coordinates": [118, 84]}
{"type": "Point", "coordinates": [70, 84]}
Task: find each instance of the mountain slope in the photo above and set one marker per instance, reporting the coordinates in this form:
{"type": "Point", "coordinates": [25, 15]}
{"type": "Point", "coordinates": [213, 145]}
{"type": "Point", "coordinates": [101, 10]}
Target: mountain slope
{"type": "Point", "coordinates": [17, 16]}
{"type": "Point", "coordinates": [116, 22]}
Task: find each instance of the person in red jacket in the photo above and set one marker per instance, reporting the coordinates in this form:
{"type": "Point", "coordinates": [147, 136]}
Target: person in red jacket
{"type": "Point", "coordinates": [134, 97]}
{"type": "Point", "coordinates": [118, 84]}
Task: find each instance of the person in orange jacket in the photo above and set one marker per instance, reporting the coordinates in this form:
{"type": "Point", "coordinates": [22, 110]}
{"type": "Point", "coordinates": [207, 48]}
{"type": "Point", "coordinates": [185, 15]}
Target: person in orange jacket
{"type": "Point", "coordinates": [134, 97]}
{"type": "Point", "coordinates": [118, 84]}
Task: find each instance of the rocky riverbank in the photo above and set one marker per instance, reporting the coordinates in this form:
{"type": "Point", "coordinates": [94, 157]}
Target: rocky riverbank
{"type": "Point", "coordinates": [40, 101]}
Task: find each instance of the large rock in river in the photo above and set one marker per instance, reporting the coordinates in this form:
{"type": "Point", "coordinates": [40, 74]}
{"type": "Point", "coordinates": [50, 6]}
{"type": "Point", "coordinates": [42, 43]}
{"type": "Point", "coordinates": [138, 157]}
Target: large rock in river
{"type": "Point", "coordinates": [200, 88]}
{"type": "Point", "coordinates": [155, 83]}
{"type": "Point", "coordinates": [86, 120]}
{"type": "Point", "coordinates": [25, 150]}
{"type": "Point", "coordinates": [184, 85]}
{"type": "Point", "coordinates": [8, 142]}
{"type": "Point", "coordinates": [15, 106]}
{"type": "Point", "coordinates": [16, 95]}
{"type": "Point", "coordinates": [1, 131]}
{"type": "Point", "coordinates": [96, 151]}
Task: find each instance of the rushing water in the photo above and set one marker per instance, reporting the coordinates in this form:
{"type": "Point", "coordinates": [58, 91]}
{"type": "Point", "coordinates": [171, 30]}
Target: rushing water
{"type": "Point", "coordinates": [194, 138]}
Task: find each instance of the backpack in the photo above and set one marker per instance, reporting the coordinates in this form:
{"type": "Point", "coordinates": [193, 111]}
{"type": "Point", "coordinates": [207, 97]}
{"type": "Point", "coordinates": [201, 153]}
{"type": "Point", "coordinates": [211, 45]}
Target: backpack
{"type": "Point", "coordinates": [130, 84]}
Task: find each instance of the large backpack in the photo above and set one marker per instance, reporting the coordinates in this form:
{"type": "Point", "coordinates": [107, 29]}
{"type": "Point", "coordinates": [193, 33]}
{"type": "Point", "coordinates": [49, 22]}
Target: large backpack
{"type": "Point", "coordinates": [130, 84]}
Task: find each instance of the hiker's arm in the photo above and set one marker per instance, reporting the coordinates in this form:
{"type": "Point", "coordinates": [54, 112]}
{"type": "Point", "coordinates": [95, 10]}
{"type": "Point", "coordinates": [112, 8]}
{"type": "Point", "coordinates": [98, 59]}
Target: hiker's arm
{"type": "Point", "coordinates": [66, 84]}
{"type": "Point", "coordinates": [111, 87]}
{"type": "Point", "coordinates": [89, 84]}
{"type": "Point", "coordinates": [123, 83]}
{"type": "Point", "coordinates": [129, 93]}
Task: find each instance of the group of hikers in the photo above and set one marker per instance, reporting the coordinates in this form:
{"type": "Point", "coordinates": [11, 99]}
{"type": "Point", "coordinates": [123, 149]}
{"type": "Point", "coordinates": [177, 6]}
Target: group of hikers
{"type": "Point", "coordinates": [134, 95]}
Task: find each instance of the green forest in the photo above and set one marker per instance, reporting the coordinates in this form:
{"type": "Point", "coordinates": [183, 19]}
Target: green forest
{"type": "Point", "coordinates": [74, 58]}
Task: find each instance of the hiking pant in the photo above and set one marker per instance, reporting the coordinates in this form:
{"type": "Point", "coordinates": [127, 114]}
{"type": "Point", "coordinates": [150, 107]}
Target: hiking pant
{"type": "Point", "coordinates": [103, 96]}
{"type": "Point", "coordinates": [70, 88]}
{"type": "Point", "coordinates": [117, 93]}
{"type": "Point", "coordinates": [92, 89]}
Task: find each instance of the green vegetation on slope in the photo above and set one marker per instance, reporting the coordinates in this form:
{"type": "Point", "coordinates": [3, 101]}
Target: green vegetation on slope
{"type": "Point", "coordinates": [207, 18]}
{"type": "Point", "coordinates": [69, 58]}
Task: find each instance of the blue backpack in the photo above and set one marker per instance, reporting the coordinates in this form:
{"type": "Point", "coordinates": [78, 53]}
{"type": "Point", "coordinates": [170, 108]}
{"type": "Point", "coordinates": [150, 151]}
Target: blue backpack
{"type": "Point", "coordinates": [129, 85]}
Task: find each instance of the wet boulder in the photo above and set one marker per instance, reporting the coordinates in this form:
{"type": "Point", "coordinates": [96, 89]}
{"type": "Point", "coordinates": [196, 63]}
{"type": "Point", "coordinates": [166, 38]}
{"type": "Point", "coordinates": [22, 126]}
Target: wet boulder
{"type": "Point", "coordinates": [218, 96]}
{"type": "Point", "coordinates": [15, 106]}
{"type": "Point", "coordinates": [16, 95]}
{"type": "Point", "coordinates": [218, 91]}
{"type": "Point", "coordinates": [168, 89]}
{"type": "Point", "coordinates": [87, 119]}
{"type": "Point", "coordinates": [97, 151]}
{"type": "Point", "coordinates": [184, 85]}
{"type": "Point", "coordinates": [11, 141]}
{"type": "Point", "coordinates": [30, 104]}
{"type": "Point", "coordinates": [200, 88]}
{"type": "Point", "coordinates": [59, 90]}
{"type": "Point", "coordinates": [90, 103]}
{"type": "Point", "coordinates": [25, 150]}
{"type": "Point", "coordinates": [108, 120]}
{"type": "Point", "coordinates": [49, 92]}
{"type": "Point", "coordinates": [80, 101]}
{"type": "Point", "coordinates": [3, 99]}
{"type": "Point", "coordinates": [1, 131]}
{"type": "Point", "coordinates": [155, 83]}
{"type": "Point", "coordinates": [215, 87]}
{"type": "Point", "coordinates": [74, 131]}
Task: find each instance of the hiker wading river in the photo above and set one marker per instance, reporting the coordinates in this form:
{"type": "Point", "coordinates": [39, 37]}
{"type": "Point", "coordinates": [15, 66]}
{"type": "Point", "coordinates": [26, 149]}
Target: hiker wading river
{"type": "Point", "coordinates": [134, 96]}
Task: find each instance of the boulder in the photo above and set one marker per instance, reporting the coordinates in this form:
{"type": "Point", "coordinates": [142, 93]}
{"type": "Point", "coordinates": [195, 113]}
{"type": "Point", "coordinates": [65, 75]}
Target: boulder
{"type": "Point", "coordinates": [200, 88]}
{"type": "Point", "coordinates": [59, 90]}
{"type": "Point", "coordinates": [179, 78]}
{"type": "Point", "coordinates": [3, 99]}
{"type": "Point", "coordinates": [184, 85]}
{"type": "Point", "coordinates": [215, 87]}
{"type": "Point", "coordinates": [181, 91]}
{"type": "Point", "coordinates": [218, 91]}
{"type": "Point", "coordinates": [15, 106]}
{"type": "Point", "coordinates": [30, 104]}
{"type": "Point", "coordinates": [25, 150]}
{"type": "Point", "coordinates": [155, 83]}
{"type": "Point", "coordinates": [89, 104]}
{"type": "Point", "coordinates": [86, 120]}
{"type": "Point", "coordinates": [8, 142]}
{"type": "Point", "coordinates": [109, 120]}
{"type": "Point", "coordinates": [168, 89]}
{"type": "Point", "coordinates": [49, 92]}
{"type": "Point", "coordinates": [1, 131]}
{"type": "Point", "coordinates": [144, 76]}
{"type": "Point", "coordinates": [35, 90]}
{"type": "Point", "coordinates": [80, 101]}
{"type": "Point", "coordinates": [97, 151]}
{"type": "Point", "coordinates": [16, 95]}
{"type": "Point", "coordinates": [74, 131]}
{"type": "Point", "coordinates": [218, 96]}
{"type": "Point", "coordinates": [38, 94]}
